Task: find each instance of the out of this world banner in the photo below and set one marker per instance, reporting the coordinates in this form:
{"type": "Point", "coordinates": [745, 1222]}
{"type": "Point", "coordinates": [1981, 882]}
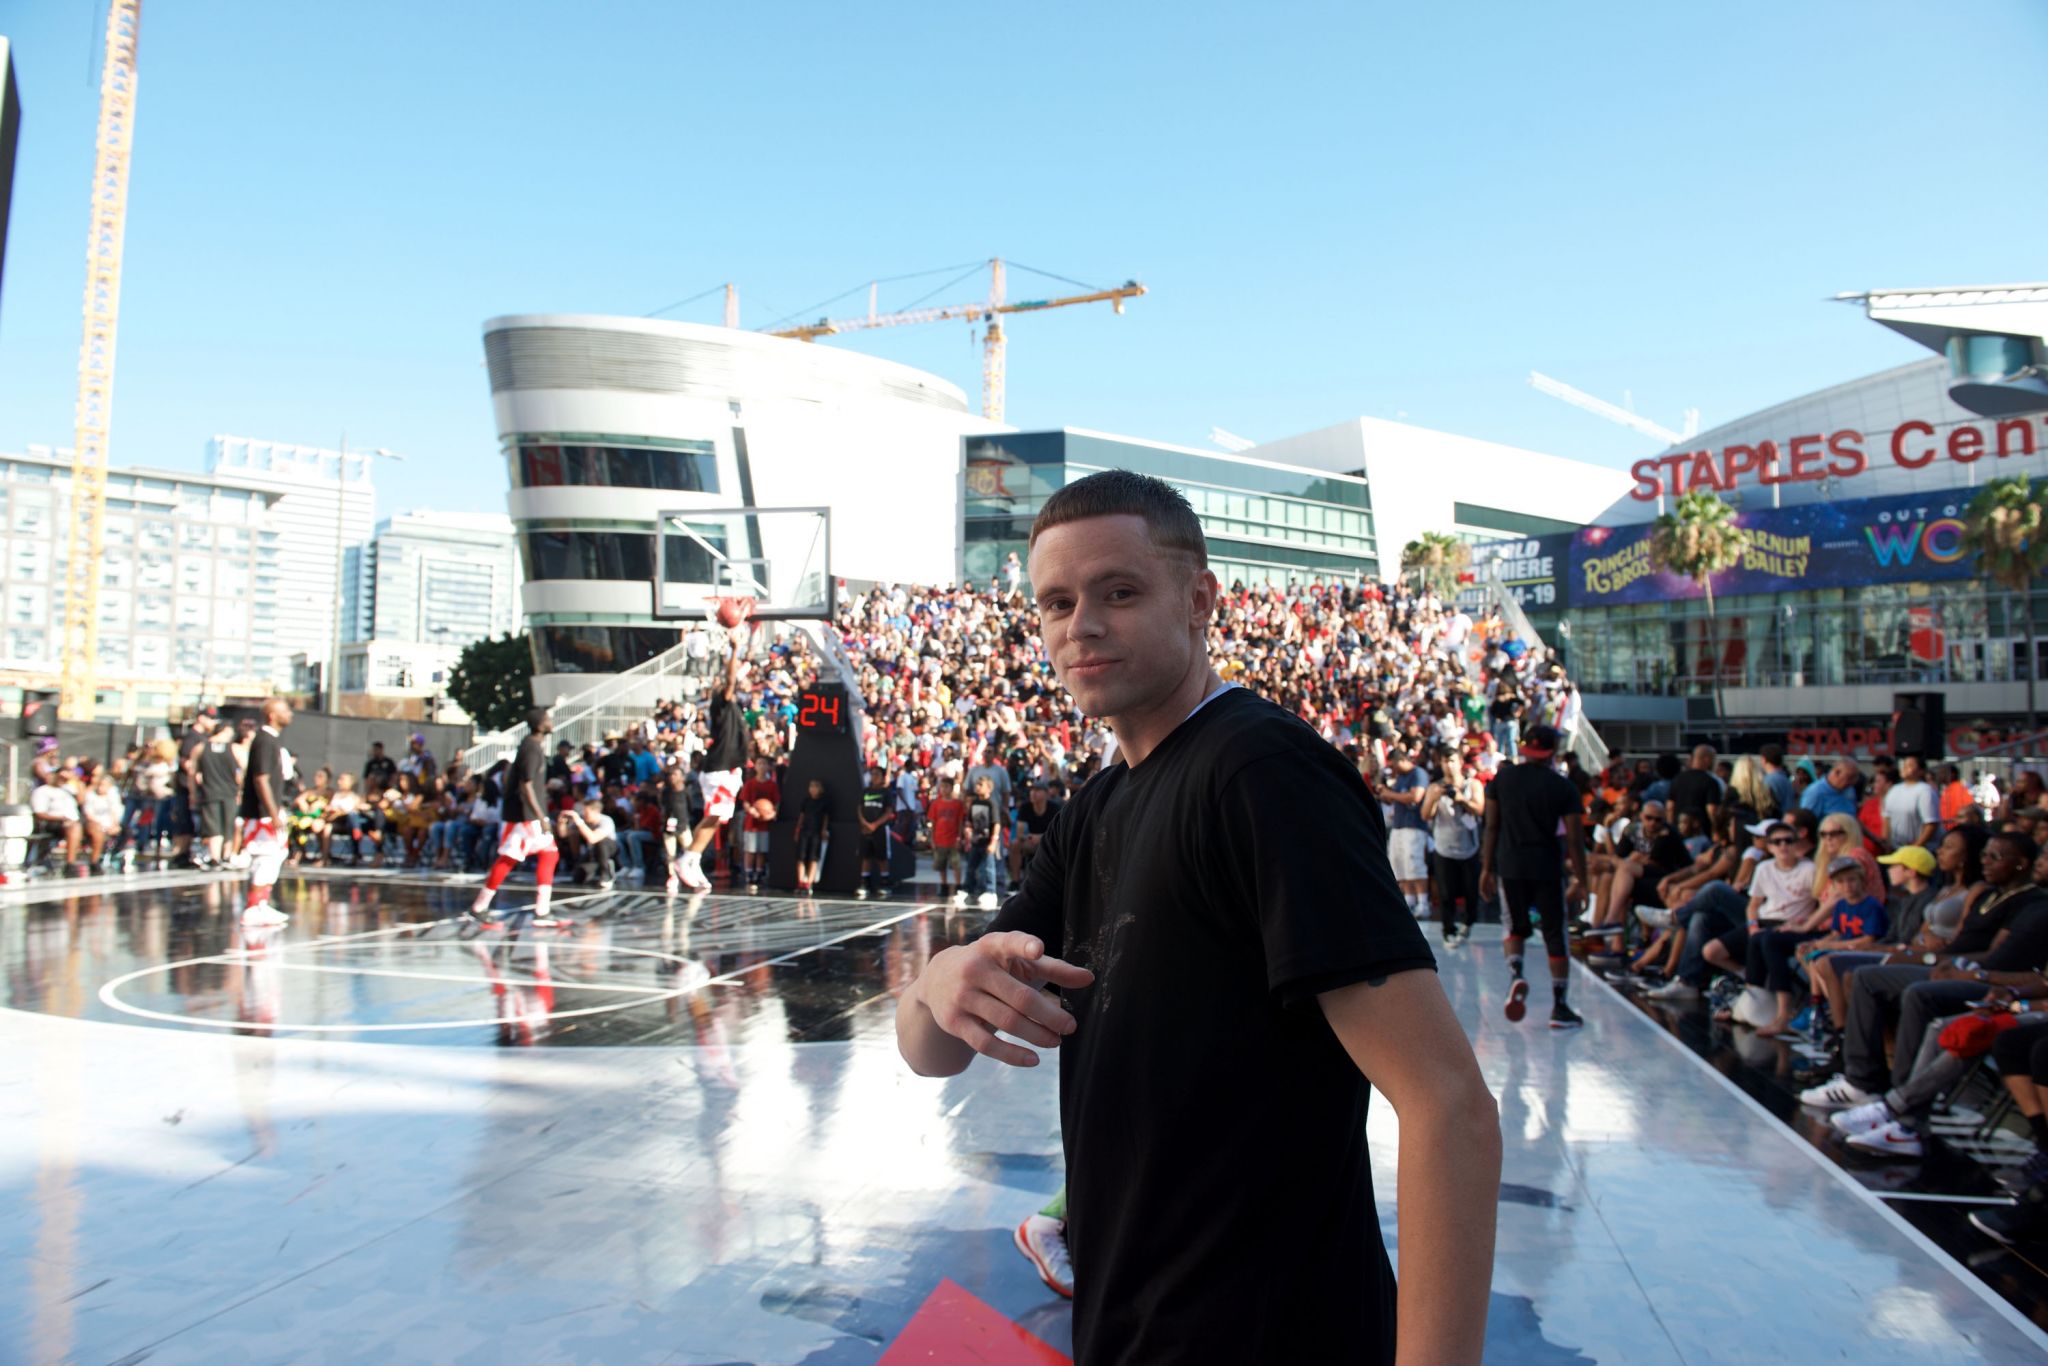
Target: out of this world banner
{"type": "Point", "coordinates": [1844, 544]}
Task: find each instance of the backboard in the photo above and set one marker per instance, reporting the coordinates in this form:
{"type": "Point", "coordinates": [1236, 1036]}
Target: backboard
{"type": "Point", "coordinates": [780, 557]}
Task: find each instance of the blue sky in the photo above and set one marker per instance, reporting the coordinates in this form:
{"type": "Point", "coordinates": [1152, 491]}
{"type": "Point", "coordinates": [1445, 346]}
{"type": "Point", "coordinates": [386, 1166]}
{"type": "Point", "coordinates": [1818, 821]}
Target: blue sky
{"type": "Point", "coordinates": [1340, 209]}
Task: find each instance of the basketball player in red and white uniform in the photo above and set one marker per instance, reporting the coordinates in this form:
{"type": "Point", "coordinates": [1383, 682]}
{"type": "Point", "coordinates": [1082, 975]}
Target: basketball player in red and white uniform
{"type": "Point", "coordinates": [266, 838]}
{"type": "Point", "coordinates": [725, 765]}
{"type": "Point", "coordinates": [527, 831]}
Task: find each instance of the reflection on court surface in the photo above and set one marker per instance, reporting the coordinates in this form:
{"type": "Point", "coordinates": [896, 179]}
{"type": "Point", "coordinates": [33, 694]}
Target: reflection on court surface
{"type": "Point", "coordinates": [390, 961]}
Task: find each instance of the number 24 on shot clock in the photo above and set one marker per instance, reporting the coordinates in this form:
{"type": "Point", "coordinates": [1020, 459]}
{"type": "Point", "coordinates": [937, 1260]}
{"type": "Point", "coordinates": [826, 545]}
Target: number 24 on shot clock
{"type": "Point", "coordinates": [821, 709]}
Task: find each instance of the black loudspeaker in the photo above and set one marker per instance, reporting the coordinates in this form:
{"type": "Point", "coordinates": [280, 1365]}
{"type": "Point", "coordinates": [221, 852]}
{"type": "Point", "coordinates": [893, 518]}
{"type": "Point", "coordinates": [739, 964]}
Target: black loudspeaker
{"type": "Point", "coordinates": [38, 712]}
{"type": "Point", "coordinates": [1919, 726]}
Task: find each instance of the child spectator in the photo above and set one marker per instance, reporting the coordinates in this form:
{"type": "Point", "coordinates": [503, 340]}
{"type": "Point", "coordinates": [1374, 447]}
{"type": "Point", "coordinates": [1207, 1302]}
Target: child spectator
{"type": "Point", "coordinates": [947, 814]}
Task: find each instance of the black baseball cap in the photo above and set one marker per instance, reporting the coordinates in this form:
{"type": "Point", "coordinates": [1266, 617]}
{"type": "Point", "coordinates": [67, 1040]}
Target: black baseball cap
{"type": "Point", "coordinates": [1541, 742]}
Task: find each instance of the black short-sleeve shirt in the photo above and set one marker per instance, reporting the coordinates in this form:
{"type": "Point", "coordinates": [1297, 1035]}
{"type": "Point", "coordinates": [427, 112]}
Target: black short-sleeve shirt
{"type": "Point", "coordinates": [728, 749]}
{"type": "Point", "coordinates": [1694, 790]}
{"type": "Point", "coordinates": [1220, 1195]}
{"type": "Point", "coordinates": [529, 765]}
{"type": "Point", "coordinates": [217, 775]}
{"type": "Point", "coordinates": [266, 758]}
{"type": "Point", "coordinates": [1531, 798]}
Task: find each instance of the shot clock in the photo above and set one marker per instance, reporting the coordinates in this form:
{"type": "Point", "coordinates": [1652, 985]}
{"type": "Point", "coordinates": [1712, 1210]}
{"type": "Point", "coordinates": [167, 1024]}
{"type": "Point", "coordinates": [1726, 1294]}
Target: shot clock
{"type": "Point", "coordinates": [822, 709]}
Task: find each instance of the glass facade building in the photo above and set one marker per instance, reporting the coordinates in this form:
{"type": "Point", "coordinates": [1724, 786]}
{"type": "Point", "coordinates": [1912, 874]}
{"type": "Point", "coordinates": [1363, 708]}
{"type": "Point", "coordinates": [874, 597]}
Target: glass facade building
{"type": "Point", "coordinates": [603, 550]}
{"type": "Point", "coordinates": [189, 580]}
{"type": "Point", "coordinates": [1266, 523]}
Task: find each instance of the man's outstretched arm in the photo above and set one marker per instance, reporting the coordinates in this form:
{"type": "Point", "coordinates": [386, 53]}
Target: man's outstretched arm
{"type": "Point", "coordinates": [967, 993]}
{"type": "Point", "coordinates": [1400, 1032]}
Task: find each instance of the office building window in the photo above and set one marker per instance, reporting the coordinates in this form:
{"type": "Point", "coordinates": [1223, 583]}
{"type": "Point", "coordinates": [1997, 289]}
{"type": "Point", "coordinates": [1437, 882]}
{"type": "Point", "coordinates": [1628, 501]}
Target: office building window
{"type": "Point", "coordinates": [689, 467]}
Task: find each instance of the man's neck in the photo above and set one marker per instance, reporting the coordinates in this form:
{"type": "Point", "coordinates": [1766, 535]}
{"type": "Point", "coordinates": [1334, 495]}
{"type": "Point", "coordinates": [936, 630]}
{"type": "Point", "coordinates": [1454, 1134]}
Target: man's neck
{"type": "Point", "coordinates": [1138, 734]}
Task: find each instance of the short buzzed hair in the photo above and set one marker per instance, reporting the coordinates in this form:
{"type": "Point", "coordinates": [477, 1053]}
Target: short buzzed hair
{"type": "Point", "coordinates": [1171, 523]}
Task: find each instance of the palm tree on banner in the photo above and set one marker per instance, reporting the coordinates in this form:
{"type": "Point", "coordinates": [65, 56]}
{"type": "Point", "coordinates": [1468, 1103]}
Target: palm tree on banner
{"type": "Point", "coordinates": [2003, 526]}
{"type": "Point", "coordinates": [1437, 559]}
{"type": "Point", "coordinates": [1698, 538]}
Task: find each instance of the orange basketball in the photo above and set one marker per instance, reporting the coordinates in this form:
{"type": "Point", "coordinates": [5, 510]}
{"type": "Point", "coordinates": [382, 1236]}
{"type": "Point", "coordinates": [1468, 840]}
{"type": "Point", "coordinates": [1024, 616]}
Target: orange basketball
{"type": "Point", "coordinates": [731, 612]}
{"type": "Point", "coordinates": [763, 809]}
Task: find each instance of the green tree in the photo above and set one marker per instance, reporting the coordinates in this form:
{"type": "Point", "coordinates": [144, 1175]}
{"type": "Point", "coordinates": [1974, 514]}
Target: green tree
{"type": "Point", "coordinates": [2003, 526]}
{"type": "Point", "coordinates": [1436, 559]}
{"type": "Point", "coordinates": [1698, 538]}
{"type": "Point", "coordinates": [493, 681]}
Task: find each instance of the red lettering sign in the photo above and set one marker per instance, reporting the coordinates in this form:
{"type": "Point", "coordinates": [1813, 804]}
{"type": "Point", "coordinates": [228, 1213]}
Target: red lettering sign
{"type": "Point", "coordinates": [1913, 445]}
{"type": "Point", "coordinates": [1899, 444]}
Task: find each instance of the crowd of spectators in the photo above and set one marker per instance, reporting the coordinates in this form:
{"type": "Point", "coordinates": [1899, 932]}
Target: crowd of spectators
{"type": "Point", "coordinates": [1821, 904]}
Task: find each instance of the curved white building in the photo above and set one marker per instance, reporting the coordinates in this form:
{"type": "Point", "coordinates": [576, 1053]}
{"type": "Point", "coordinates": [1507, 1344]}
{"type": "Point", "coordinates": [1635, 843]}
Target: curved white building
{"type": "Point", "coordinates": [606, 421]}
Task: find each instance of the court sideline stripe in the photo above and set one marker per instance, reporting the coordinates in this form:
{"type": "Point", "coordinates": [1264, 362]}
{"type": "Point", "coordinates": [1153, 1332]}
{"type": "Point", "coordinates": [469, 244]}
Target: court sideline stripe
{"type": "Point", "coordinates": [1934, 1250]}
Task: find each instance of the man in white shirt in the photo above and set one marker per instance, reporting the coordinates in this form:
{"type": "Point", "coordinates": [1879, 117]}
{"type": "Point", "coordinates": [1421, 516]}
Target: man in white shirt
{"type": "Point", "coordinates": [55, 807]}
{"type": "Point", "coordinates": [1912, 814]}
{"type": "Point", "coordinates": [600, 836]}
{"type": "Point", "coordinates": [1986, 795]}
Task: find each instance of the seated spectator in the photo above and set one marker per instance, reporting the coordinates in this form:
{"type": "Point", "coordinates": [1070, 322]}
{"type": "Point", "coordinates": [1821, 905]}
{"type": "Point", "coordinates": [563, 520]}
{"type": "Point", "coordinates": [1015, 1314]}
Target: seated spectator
{"type": "Point", "coordinates": [346, 819]}
{"type": "Point", "coordinates": [2006, 931]}
{"type": "Point", "coordinates": [1894, 1123]}
{"type": "Point", "coordinates": [101, 812]}
{"type": "Point", "coordinates": [597, 842]}
{"type": "Point", "coordinates": [54, 804]}
{"type": "Point", "coordinates": [1852, 918]}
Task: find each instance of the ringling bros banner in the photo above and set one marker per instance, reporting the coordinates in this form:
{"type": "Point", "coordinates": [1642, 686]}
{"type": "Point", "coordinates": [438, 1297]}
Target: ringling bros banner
{"type": "Point", "coordinates": [1845, 544]}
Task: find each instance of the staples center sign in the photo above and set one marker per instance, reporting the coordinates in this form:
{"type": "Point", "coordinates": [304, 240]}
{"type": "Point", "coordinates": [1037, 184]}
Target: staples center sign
{"type": "Point", "coordinates": [1843, 454]}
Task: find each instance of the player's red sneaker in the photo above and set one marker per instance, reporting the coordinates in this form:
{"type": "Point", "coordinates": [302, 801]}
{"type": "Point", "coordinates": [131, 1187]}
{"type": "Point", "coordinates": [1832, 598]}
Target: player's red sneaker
{"type": "Point", "coordinates": [1518, 1000]}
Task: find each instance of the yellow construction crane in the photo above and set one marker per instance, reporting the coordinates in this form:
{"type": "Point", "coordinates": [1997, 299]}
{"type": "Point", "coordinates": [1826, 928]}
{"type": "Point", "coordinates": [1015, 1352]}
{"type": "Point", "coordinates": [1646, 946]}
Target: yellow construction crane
{"type": "Point", "coordinates": [993, 309]}
{"type": "Point", "coordinates": [96, 359]}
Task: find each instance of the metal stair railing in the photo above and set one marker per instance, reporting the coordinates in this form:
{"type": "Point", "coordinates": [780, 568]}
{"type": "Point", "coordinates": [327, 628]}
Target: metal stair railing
{"type": "Point", "coordinates": [620, 700]}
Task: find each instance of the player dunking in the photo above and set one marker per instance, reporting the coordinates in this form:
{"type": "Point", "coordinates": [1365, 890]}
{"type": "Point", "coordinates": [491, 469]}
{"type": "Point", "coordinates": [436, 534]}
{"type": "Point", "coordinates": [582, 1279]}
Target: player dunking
{"type": "Point", "coordinates": [526, 827]}
{"type": "Point", "coordinates": [262, 810]}
{"type": "Point", "coordinates": [724, 766]}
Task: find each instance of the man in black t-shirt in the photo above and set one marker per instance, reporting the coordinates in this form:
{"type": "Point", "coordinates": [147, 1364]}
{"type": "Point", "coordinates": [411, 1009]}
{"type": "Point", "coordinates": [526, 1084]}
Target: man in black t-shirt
{"type": "Point", "coordinates": [1697, 789]}
{"type": "Point", "coordinates": [1532, 830]}
{"type": "Point", "coordinates": [185, 790]}
{"type": "Point", "coordinates": [1034, 818]}
{"type": "Point", "coordinates": [877, 810]}
{"type": "Point", "coordinates": [220, 786]}
{"type": "Point", "coordinates": [526, 831]}
{"type": "Point", "coordinates": [263, 813]}
{"type": "Point", "coordinates": [380, 770]}
{"type": "Point", "coordinates": [725, 763]}
{"type": "Point", "coordinates": [1218, 905]}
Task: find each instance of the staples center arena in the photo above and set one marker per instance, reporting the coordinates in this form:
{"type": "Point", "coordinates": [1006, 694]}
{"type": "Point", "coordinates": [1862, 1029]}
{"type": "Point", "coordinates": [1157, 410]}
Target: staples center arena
{"type": "Point", "coordinates": [1856, 586]}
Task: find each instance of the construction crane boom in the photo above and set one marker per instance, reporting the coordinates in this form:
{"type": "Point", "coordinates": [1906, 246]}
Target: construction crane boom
{"type": "Point", "coordinates": [109, 223]}
{"type": "Point", "coordinates": [991, 309]}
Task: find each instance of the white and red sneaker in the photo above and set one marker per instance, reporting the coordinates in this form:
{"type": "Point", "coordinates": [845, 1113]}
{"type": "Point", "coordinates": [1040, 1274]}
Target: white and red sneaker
{"type": "Point", "coordinates": [1891, 1138]}
{"type": "Point", "coordinates": [265, 914]}
{"type": "Point", "coordinates": [1518, 1000]}
{"type": "Point", "coordinates": [1043, 1240]}
{"type": "Point", "coordinates": [693, 874]}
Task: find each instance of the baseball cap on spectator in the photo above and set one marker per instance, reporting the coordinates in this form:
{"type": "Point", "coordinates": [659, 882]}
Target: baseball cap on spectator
{"type": "Point", "coordinates": [46, 744]}
{"type": "Point", "coordinates": [1844, 864]}
{"type": "Point", "coordinates": [1763, 827]}
{"type": "Point", "coordinates": [1541, 742]}
{"type": "Point", "coordinates": [1914, 856]}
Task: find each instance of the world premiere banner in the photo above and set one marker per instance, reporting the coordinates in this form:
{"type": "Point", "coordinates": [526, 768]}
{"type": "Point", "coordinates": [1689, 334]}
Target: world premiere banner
{"type": "Point", "coordinates": [1845, 544]}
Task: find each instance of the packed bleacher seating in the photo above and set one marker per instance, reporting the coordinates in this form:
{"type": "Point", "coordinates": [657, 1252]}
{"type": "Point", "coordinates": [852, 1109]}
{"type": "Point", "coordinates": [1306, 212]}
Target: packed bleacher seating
{"type": "Point", "coordinates": [1823, 906]}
